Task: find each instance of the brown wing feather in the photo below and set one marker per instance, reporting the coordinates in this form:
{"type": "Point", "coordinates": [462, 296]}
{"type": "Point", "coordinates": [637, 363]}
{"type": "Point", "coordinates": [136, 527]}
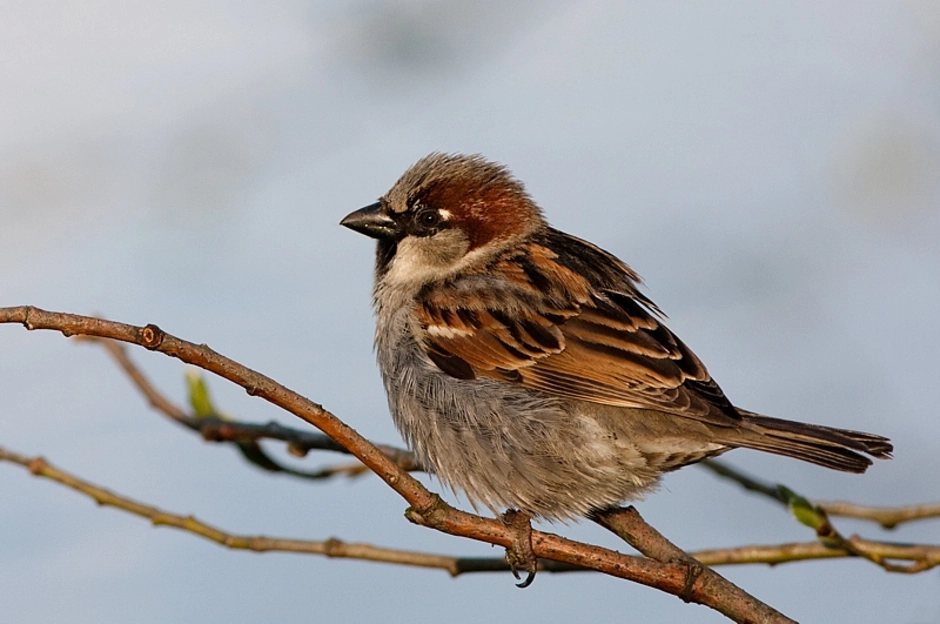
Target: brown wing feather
{"type": "Point", "coordinates": [548, 327]}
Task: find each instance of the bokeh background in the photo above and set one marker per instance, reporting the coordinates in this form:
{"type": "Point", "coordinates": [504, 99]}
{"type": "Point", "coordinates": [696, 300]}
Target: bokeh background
{"type": "Point", "coordinates": [771, 169]}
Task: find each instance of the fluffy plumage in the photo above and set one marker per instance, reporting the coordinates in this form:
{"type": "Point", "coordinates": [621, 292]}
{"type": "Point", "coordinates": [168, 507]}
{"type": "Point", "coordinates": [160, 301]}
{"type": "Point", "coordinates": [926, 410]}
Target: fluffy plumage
{"type": "Point", "coordinates": [524, 366]}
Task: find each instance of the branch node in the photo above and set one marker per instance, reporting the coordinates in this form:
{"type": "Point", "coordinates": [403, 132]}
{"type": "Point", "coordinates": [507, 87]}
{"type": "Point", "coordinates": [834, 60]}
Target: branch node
{"type": "Point", "coordinates": [36, 465]}
{"type": "Point", "coordinates": [28, 324]}
{"type": "Point", "coordinates": [332, 547]}
{"type": "Point", "coordinates": [427, 515]}
{"type": "Point", "coordinates": [151, 337]}
{"type": "Point", "coordinates": [412, 515]}
{"type": "Point", "coordinates": [296, 450]}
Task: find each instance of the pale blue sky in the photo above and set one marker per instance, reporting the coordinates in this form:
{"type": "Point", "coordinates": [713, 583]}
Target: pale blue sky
{"type": "Point", "coordinates": [769, 168]}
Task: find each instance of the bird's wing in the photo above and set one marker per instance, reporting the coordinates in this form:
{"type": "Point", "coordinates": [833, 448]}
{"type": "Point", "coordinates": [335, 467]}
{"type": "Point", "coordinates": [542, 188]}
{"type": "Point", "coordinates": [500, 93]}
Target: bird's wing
{"type": "Point", "coordinates": [535, 320]}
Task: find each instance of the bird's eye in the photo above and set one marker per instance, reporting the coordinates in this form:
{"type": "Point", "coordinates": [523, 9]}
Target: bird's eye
{"type": "Point", "coordinates": [428, 218]}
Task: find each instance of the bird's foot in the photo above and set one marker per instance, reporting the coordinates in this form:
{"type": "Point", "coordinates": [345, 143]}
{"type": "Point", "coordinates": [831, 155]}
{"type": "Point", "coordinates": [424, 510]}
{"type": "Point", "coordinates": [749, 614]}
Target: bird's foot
{"type": "Point", "coordinates": [520, 554]}
{"type": "Point", "coordinates": [695, 570]}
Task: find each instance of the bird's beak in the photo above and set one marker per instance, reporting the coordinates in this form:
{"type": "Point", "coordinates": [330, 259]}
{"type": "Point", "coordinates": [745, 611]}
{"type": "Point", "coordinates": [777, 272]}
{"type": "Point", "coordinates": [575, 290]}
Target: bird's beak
{"type": "Point", "coordinates": [371, 221]}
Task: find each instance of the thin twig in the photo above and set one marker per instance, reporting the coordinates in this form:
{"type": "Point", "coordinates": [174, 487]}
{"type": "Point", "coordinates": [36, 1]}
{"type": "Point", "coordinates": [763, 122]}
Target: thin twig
{"type": "Point", "coordinates": [244, 434]}
{"type": "Point", "coordinates": [331, 547]}
{"type": "Point", "coordinates": [155, 398]}
{"type": "Point", "coordinates": [213, 429]}
{"type": "Point", "coordinates": [887, 517]}
{"type": "Point", "coordinates": [817, 517]}
{"type": "Point", "coordinates": [924, 556]}
{"type": "Point", "coordinates": [700, 579]}
{"type": "Point", "coordinates": [749, 483]}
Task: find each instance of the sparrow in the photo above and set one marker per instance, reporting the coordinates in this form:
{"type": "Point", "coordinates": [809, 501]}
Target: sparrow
{"type": "Point", "coordinates": [524, 367]}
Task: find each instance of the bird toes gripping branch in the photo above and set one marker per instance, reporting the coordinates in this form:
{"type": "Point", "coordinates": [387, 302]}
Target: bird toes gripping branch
{"type": "Point", "coordinates": [520, 554]}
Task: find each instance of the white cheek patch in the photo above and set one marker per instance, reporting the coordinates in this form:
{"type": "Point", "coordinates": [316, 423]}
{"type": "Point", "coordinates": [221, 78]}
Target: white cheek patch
{"type": "Point", "coordinates": [419, 260]}
{"type": "Point", "coordinates": [411, 263]}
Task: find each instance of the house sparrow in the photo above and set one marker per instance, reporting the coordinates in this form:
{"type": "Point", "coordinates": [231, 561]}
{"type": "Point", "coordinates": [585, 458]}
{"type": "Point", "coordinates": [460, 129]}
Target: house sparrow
{"type": "Point", "coordinates": [524, 367]}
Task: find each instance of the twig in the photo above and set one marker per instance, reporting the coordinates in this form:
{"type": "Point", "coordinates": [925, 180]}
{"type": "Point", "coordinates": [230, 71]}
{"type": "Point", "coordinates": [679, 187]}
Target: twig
{"type": "Point", "coordinates": [923, 556]}
{"type": "Point", "coordinates": [426, 508]}
{"type": "Point", "coordinates": [630, 527]}
{"type": "Point", "coordinates": [700, 580]}
{"type": "Point", "coordinates": [243, 434]}
{"type": "Point", "coordinates": [155, 398]}
{"type": "Point", "coordinates": [455, 566]}
{"type": "Point", "coordinates": [817, 517]}
{"type": "Point", "coordinates": [331, 547]}
{"type": "Point", "coordinates": [887, 517]}
{"type": "Point", "coordinates": [749, 483]}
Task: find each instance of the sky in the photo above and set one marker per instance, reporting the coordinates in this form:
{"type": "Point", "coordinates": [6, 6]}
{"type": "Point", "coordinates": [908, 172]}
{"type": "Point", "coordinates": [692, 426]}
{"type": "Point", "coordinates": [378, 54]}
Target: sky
{"type": "Point", "coordinates": [770, 169]}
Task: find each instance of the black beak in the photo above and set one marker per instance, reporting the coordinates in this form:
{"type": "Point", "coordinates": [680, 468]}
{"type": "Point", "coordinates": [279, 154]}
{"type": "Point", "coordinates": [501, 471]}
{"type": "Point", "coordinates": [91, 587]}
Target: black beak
{"type": "Point", "coordinates": [371, 221]}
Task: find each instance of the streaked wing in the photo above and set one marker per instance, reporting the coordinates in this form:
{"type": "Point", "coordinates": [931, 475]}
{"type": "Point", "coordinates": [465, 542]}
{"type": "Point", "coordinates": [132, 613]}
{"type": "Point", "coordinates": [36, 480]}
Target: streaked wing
{"type": "Point", "coordinates": [532, 320]}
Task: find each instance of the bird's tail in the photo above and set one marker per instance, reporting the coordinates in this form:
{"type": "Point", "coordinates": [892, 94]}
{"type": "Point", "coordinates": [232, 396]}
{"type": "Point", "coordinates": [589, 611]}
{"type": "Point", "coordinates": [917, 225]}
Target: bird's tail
{"type": "Point", "coordinates": [839, 449]}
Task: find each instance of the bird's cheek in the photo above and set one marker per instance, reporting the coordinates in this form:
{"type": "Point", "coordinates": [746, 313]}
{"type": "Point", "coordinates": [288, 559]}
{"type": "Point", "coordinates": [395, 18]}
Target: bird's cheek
{"type": "Point", "coordinates": [421, 259]}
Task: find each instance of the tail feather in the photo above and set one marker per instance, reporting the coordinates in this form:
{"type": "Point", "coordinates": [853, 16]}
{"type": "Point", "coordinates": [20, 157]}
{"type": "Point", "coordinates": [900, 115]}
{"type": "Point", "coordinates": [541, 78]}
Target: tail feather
{"type": "Point", "coordinates": [839, 449]}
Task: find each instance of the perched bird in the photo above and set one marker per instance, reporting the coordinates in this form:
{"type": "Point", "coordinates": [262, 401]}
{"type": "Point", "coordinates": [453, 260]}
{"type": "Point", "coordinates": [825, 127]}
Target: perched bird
{"type": "Point", "coordinates": [524, 367]}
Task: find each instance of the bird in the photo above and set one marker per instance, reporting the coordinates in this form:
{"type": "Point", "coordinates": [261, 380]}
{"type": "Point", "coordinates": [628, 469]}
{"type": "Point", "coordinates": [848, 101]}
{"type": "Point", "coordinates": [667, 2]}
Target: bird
{"type": "Point", "coordinates": [524, 367]}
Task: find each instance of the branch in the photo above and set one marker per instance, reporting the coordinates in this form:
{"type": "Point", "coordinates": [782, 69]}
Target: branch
{"type": "Point", "coordinates": [887, 517]}
{"type": "Point", "coordinates": [817, 517]}
{"type": "Point", "coordinates": [331, 547]}
{"type": "Point", "coordinates": [455, 566]}
{"type": "Point", "coordinates": [923, 556]}
{"type": "Point", "coordinates": [749, 483]}
{"type": "Point", "coordinates": [426, 508]}
{"type": "Point", "coordinates": [630, 527]}
{"type": "Point", "coordinates": [245, 435]}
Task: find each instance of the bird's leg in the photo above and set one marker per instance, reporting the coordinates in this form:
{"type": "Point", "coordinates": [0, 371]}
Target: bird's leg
{"type": "Point", "coordinates": [695, 570]}
{"type": "Point", "coordinates": [520, 554]}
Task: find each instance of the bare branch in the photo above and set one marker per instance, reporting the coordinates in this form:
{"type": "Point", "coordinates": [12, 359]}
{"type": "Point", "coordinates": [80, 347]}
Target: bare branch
{"type": "Point", "coordinates": [923, 556]}
{"type": "Point", "coordinates": [218, 429]}
{"type": "Point", "coordinates": [749, 483]}
{"type": "Point", "coordinates": [887, 517]}
{"type": "Point", "coordinates": [770, 555]}
{"type": "Point", "coordinates": [629, 526]}
{"type": "Point", "coordinates": [154, 397]}
{"type": "Point", "coordinates": [817, 517]}
{"type": "Point", "coordinates": [331, 547]}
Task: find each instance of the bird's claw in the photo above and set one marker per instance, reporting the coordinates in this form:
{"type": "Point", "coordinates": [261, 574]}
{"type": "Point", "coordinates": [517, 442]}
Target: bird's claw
{"type": "Point", "coordinates": [520, 554]}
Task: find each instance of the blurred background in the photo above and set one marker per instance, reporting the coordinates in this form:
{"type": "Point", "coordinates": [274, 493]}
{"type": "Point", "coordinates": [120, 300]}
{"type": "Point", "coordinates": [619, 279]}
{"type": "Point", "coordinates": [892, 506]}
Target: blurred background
{"type": "Point", "coordinates": [771, 169]}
